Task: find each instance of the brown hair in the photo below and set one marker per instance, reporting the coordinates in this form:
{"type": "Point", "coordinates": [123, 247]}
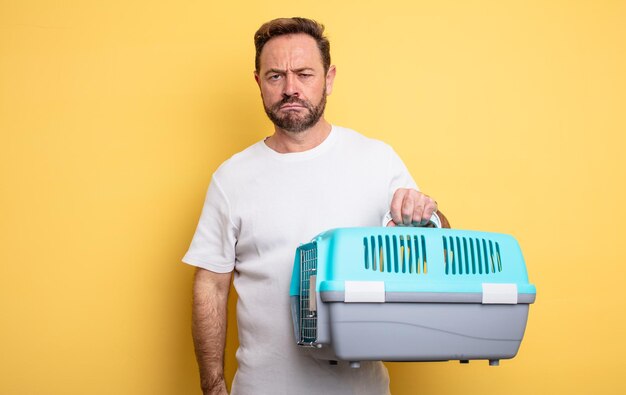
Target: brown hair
{"type": "Point", "coordinates": [283, 26]}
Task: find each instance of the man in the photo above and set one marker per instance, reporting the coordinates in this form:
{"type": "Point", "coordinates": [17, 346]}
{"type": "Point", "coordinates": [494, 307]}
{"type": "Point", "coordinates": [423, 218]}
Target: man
{"type": "Point", "coordinates": [308, 176]}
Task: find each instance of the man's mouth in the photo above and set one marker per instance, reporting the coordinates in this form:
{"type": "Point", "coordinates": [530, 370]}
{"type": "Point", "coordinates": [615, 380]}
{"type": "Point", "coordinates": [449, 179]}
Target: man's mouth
{"type": "Point", "coordinates": [291, 106]}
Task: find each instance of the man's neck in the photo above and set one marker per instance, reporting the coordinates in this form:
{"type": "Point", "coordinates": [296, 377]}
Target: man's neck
{"type": "Point", "coordinates": [285, 142]}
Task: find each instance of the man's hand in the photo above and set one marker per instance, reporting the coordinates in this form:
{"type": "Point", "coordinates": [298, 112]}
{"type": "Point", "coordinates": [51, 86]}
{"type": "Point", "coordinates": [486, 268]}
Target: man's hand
{"type": "Point", "coordinates": [410, 207]}
{"type": "Point", "coordinates": [218, 389]}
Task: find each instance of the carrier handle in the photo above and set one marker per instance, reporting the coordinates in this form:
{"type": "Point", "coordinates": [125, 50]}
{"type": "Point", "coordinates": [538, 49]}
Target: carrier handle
{"type": "Point", "coordinates": [434, 219]}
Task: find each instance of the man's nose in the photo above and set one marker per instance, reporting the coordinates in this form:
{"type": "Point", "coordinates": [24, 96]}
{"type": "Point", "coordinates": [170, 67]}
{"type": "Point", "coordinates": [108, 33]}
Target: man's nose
{"type": "Point", "coordinates": [291, 85]}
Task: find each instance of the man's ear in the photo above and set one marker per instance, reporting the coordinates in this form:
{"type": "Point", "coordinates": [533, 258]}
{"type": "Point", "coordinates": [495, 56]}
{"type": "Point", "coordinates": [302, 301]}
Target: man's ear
{"type": "Point", "coordinates": [256, 78]}
{"type": "Point", "coordinates": [330, 79]}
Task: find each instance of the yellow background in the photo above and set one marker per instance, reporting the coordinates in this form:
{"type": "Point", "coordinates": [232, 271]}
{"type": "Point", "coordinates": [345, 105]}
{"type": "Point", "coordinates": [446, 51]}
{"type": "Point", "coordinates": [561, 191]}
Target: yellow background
{"type": "Point", "coordinates": [114, 114]}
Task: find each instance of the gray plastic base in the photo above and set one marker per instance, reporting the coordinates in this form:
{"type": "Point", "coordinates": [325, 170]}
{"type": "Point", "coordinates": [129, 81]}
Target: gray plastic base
{"type": "Point", "coordinates": [422, 331]}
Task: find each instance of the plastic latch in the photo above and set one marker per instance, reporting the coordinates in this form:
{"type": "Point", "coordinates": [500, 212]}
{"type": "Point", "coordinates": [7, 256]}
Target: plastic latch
{"type": "Point", "coordinates": [364, 292]}
{"type": "Point", "coordinates": [312, 294]}
{"type": "Point", "coordinates": [496, 293]}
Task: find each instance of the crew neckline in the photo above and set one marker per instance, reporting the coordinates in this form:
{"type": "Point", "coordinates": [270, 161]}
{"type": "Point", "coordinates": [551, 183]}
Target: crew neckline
{"type": "Point", "coordinates": [303, 155]}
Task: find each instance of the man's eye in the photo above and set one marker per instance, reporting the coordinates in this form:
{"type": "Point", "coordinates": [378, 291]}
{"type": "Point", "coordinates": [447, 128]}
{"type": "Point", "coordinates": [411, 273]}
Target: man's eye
{"type": "Point", "coordinates": [275, 77]}
{"type": "Point", "coordinates": [305, 75]}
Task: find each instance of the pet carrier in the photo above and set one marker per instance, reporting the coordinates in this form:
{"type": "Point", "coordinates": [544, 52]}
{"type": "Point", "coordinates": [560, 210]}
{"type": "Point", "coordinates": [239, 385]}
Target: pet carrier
{"type": "Point", "coordinates": [410, 294]}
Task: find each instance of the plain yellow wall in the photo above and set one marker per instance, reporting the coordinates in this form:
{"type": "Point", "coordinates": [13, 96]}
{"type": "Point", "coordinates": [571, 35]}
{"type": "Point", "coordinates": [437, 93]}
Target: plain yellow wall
{"type": "Point", "coordinates": [114, 114]}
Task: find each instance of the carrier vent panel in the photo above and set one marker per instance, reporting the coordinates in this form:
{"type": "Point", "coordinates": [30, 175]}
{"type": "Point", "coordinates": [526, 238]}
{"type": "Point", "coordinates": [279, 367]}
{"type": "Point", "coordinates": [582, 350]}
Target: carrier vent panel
{"type": "Point", "coordinates": [395, 254]}
{"type": "Point", "coordinates": [470, 256]}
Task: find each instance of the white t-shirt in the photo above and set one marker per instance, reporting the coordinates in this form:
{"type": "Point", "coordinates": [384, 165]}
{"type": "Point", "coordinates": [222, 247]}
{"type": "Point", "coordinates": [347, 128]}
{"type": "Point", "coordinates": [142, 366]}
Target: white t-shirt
{"type": "Point", "coordinates": [259, 207]}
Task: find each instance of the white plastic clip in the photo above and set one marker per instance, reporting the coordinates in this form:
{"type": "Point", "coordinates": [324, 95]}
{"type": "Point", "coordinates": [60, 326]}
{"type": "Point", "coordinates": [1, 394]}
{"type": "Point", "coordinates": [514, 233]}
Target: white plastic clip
{"type": "Point", "coordinates": [494, 293]}
{"type": "Point", "coordinates": [365, 292]}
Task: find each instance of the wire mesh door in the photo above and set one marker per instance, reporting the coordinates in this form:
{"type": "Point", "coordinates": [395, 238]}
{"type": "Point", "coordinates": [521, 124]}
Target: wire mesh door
{"type": "Point", "coordinates": [308, 314]}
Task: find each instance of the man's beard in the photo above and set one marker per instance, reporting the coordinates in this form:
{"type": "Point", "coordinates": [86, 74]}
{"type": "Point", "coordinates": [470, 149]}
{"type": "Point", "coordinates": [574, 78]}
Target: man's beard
{"type": "Point", "coordinates": [293, 121]}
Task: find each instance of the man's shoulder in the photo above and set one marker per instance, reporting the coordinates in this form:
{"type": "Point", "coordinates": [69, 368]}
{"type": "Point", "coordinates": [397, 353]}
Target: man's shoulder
{"type": "Point", "coordinates": [246, 159]}
{"type": "Point", "coordinates": [360, 141]}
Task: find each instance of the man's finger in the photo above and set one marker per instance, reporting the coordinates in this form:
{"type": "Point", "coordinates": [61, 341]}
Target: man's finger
{"type": "Point", "coordinates": [429, 208]}
{"type": "Point", "coordinates": [418, 214]}
{"type": "Point", "coordinates": [396, 205]}
{"type": "Point", "coordinates": [408, 208]}
{"type": "Point", "coordinates": [428, 213]}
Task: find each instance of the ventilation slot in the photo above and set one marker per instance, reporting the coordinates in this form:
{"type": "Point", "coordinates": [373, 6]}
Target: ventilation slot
{"type": "Point", "coordinates": [466, 255]}
{"type": "Point", "coordinates": [395, 254]}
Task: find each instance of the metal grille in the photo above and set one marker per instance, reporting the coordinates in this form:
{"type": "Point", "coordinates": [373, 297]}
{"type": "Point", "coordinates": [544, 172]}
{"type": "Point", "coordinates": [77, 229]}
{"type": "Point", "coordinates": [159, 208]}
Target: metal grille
{"type": "Point", "coordinates": [308, 313]}
{"type": "Point", "coordinates": [466, 255]}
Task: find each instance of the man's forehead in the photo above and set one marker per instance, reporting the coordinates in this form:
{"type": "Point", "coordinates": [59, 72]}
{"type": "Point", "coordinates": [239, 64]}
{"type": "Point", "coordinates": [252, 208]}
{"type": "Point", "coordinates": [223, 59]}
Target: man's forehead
{"type": "Point", "coordinates": [293, 50]}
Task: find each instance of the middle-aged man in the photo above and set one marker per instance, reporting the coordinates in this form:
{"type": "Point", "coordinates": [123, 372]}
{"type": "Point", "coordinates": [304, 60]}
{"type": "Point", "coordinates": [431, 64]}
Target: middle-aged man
{"type": "Point", "coordinates": [307, 177]}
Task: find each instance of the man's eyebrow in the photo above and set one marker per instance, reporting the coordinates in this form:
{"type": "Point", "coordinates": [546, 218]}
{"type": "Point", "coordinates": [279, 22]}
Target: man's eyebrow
{"type": "Point", "coordinates": [280, 71]}
{"type": "Point", "coordinates": [274, 71]}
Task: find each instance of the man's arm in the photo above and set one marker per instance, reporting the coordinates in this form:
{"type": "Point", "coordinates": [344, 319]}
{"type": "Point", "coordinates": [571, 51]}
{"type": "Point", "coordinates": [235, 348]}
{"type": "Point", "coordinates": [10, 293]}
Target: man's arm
{"type": "Point", "coordinates": [210, 299]}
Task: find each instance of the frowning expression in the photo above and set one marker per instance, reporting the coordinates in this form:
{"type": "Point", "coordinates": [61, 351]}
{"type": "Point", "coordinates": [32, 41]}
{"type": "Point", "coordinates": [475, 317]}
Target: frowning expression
{"type": "Point", "coordinates": [293, 82]}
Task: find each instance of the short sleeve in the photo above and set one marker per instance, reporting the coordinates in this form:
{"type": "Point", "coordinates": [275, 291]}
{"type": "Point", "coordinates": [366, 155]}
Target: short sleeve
{"type": "Point", "coordinates": [213, 244]}
{"type": "Point", "coordinates": [399, 176]}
